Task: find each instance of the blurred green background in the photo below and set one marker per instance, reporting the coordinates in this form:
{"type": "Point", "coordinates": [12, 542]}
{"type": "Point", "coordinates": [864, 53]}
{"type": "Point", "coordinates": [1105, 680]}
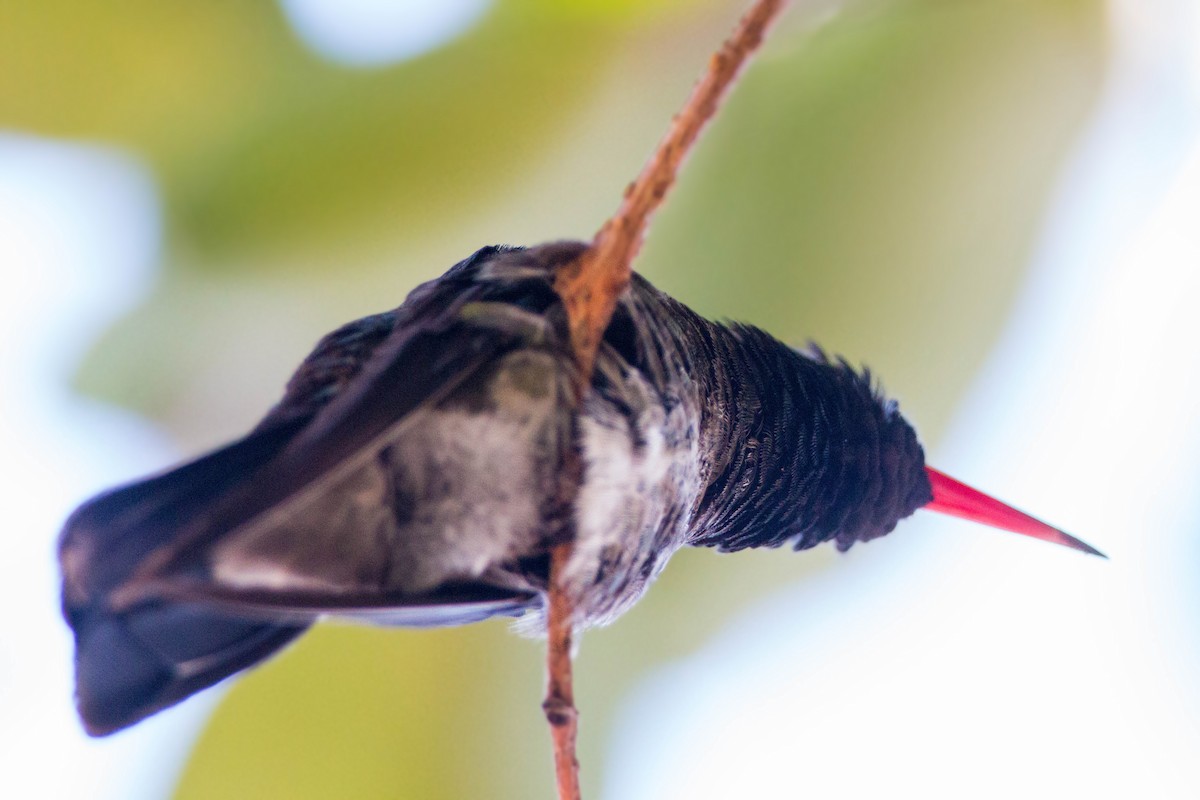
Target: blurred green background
{"type": "Point", "coordinates": [875, 184]}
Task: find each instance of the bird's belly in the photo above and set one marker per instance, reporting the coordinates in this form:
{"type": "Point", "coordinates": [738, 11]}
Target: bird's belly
{"type": "Point", "coordinates": [640, 488]}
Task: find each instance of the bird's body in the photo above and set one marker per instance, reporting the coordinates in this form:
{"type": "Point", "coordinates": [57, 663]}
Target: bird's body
{"type": "Point", "coordinates": [417, 472]}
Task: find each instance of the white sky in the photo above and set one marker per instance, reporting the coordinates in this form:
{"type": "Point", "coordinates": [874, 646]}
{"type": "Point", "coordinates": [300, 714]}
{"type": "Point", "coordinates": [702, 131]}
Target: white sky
{"type": "Point", "coordinates": [377, 32]}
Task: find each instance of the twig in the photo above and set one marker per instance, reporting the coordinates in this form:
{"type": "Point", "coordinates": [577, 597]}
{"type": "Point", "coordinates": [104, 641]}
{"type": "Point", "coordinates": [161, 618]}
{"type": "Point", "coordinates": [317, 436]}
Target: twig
{"type": "Point", "coordinates": [560, 694]}
{"type": "Point", "coordinates": [590, 287]}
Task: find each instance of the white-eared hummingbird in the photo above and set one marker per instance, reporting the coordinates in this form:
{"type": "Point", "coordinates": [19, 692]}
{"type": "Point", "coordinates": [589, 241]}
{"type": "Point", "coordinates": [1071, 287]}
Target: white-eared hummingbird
{"type": "Point", "coordinates": [411, 474]}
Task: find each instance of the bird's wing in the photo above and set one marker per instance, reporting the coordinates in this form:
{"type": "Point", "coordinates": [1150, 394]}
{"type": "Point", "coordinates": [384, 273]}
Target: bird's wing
{"type": "Point", "coordinates": [298, 477]}
{"type": "Point", "coordinates": [151, 625]}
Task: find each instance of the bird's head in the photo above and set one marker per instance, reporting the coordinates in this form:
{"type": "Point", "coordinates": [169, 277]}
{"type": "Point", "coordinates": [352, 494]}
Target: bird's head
{"type": "Point", "coordinates": [959, 500]}
{"type": "Point", "coordinates": [810, 450]}
{"type": "Point", "coordinates": [885, 455]}
{"type": "Point", "coordinates": [895, 462]}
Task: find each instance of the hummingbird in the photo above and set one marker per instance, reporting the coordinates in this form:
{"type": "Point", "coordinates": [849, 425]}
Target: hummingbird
{"type": "Point", "coordinates": [412, 475]}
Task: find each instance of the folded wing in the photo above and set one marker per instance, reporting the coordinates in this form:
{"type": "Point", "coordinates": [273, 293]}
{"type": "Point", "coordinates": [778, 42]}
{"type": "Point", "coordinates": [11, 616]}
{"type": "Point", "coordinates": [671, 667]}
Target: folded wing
{"type": "Point", "coordinates": [153, 619]}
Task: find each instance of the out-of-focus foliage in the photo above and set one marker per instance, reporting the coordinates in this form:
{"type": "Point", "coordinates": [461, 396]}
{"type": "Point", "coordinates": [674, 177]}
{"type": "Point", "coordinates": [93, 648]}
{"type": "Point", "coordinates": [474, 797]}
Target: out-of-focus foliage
{"type": "Point", "coordinates": [875, 185]}
{"type": "Point", "coordinates": [352, 713]}
{"type": "Point", "coordinates": [263, 148]}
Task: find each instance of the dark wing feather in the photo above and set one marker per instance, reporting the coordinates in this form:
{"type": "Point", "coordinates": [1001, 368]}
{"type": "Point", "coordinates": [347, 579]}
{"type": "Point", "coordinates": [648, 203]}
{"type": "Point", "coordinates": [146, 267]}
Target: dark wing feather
{"type": "Point", "coordinates": [454, 605]}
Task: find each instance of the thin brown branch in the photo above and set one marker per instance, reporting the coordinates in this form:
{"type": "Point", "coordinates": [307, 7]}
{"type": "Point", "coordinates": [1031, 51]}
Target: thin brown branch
{"type": "Point", "coordinates": [590, 287]}
{"type": "Point", "coordinates": [560, 693]}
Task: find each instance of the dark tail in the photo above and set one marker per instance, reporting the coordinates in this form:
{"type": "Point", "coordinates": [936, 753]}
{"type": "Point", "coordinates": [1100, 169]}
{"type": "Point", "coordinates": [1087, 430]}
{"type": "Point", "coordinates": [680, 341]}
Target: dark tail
{"type": "Point", "coordinates": [134, 661]}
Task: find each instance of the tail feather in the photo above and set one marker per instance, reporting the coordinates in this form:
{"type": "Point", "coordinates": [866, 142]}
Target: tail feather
{"type": "Point", "coordinates": [133, 664]}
